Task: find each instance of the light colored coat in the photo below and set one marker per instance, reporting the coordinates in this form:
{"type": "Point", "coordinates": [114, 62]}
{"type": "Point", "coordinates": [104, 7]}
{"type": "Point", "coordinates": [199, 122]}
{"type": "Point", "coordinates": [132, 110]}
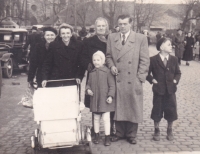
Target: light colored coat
{"type": "Point", "coordinates": [132, 62]}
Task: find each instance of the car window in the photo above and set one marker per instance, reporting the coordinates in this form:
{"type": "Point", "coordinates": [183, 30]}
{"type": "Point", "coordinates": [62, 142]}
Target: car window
{"type": "Point", "coordinates": [7, 37]}
{"type": "Point", "coordinates": [16, 37]}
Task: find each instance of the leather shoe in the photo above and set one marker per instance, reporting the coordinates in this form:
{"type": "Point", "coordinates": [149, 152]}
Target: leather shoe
{"type": "Point", "coordinates": [156, 135]}
{"type": "Point", "coordinates": [131, 140]}
{"type": "Point", "coordinates": [170, 135]}
{"type": "Point", "coordinates": [115, 138]}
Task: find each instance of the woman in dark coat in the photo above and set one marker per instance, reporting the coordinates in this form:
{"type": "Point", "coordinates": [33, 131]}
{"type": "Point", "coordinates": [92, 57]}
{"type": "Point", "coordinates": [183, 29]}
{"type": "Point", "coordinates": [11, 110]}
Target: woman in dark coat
{"type": "Point", "coordinates": [63, 59]}
{"type": "Point", "coordinates": [188, 54]}
{"type": "Point", "coordinates": [92, 45]}
{"type": "Point", "coordinates": [179, 45]}
{"type": "Point", "coordinates": [38, 56]}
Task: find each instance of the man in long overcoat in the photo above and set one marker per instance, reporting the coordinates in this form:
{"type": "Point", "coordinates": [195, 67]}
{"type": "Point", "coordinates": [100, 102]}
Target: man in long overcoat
{"type": "Point", "coordinates": [128, 58]}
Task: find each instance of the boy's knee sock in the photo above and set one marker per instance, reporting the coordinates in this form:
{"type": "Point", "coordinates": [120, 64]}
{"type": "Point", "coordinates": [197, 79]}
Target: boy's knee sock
{"type": "Point", "coordinates": [156, 124]}
{"type": "Point", "coordinates": [169, 125]}
{"type": "Point", "coordinates": [96, 123]}
{"type": "Point", "coordinates": [106, 121]}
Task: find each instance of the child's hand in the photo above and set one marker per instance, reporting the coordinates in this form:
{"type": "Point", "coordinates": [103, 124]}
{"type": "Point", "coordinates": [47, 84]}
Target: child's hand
{"type": "Point", "coordinates": [109, 100]}
{"type": "Point", "coordinates": [90, 92]}
{"type": "Point", "coordinates": [174, 81]}
{"type": "Point", "coordinates": [154, 81]}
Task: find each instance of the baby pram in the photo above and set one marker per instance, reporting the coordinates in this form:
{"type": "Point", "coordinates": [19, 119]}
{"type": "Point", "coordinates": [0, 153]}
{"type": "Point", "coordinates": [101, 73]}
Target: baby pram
{"type": "Point", "coordinates": [56, 110]}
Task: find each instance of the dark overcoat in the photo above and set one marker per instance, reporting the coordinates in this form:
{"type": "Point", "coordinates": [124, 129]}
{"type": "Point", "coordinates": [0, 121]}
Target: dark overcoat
{"type": "Point", "coordinates": [179, 45]}
{"type": "Point", "coordinates": [164, 75]}
{"type": "Point", "coordinates": [102, 84]}
{"type": "Point", "coordinates": [63, 62]}
{"type": "Point", "coordinates": [90, 46]}
{"type": "Point", "coordinates": [188, 54]}
{"type": "Point", "coordinates": [132, 62]}
{"type": "Point", "coordinates": [36, 62]}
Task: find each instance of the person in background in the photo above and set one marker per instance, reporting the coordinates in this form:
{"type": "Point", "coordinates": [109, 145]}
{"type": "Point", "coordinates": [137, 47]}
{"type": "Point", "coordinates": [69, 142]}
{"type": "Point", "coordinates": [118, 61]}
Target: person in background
{"type": "Point", "coordinates": [128, 58]}
{"type": "Point", "coordinates": [82, 34]}
{"type": "Point", "coordinates": [92, 31]}
{"type": "Point", "coordinates": [188, 54]}
{"type": "Point", "coordinates": [117, 29]}
{"type": "Point", "coordinates": [63, 59]}
{"type": "Point", "coordinates": [179, 42]}
{"type": "Point", "coordinates": [158, 36]}
{"type": "Point", "coordinates": [32, 40]}
{"type": "Point", "coordinates": [196, 51]}
{"type": "Point", "coordinates": [145, 32]}
{"type": "Point", "coordinates": [39, 55]}
{"type": "Point", "coordinates": [101, 89]}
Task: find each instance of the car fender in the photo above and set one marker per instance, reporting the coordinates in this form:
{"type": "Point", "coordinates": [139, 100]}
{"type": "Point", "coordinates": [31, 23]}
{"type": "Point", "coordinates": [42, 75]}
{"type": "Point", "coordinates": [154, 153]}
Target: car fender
{"type": "Point", "coordinates": [6, 57]}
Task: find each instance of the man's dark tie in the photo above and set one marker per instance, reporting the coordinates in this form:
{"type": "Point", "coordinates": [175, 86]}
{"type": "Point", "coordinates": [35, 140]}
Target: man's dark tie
{"type": "Point", "coordinates": [165, 61]}
{"type": "Point", "coordinates": [123, 39]}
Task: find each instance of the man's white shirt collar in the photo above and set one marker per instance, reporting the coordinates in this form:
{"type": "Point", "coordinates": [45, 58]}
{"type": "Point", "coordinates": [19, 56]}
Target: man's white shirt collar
{"type": "Point", "coordinates": [162, 57]}
{"type": "Point", "coordinates": [126, 35]}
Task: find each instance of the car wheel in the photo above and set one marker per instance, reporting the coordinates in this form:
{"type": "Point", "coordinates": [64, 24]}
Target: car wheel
{"type": "Point", "coordinates": [8, 68]}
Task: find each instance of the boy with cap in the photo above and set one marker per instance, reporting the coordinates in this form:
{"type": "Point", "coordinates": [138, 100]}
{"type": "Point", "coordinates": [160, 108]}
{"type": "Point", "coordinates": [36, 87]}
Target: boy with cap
{"type": "Point", "coordinates": [101, 88]}
{"type": "Point", "coordinates": [164, 74]}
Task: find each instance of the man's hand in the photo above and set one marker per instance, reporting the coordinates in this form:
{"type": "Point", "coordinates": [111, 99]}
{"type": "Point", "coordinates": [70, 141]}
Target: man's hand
{"type": "Point", "coordinates": [90, 92]}
{"type": "Point", "coordinates": [90, 67]}
{"type": "Point", "coordinates": [44, 83]}
{"type": "Point", "coordinates": [154, 81]}
{"type": "Point", "coordinates": [114, 70]}
{"type": "Point", "coordinates": [78, 81]}
{"type": "Point", "coordinates": [109, 100]}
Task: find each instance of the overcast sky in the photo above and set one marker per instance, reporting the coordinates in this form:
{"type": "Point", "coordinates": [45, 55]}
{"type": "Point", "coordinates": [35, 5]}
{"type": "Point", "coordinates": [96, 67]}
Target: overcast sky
{"type": "Point", "coordinates": [160, 1]}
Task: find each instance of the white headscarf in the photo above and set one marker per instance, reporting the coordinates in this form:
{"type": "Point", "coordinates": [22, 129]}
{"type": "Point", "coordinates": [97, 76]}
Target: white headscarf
{"type": "Point", "coordinates": [101, 54]}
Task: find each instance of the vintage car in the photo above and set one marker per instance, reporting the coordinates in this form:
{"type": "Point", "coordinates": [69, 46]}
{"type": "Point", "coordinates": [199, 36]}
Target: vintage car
{"type": "Point", "coordinates": [12, 54]}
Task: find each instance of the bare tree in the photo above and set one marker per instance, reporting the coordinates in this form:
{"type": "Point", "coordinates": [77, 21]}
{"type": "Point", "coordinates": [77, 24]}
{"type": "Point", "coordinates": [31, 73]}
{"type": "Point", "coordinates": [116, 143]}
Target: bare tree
{"type": "Point", "coordinates": [110, 9]}
{"type": "Point", "coordinates": [83, 9]}
{"type": "Point", "coordinates": [2, 8]}
{"type": "Point", "coordinates": [145, 13]}
{"type": "Point", "coordinates": [190, 12]}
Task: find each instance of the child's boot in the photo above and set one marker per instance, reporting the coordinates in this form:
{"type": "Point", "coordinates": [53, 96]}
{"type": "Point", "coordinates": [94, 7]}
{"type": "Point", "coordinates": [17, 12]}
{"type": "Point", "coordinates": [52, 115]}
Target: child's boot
{"type": "Point", "coordinates": [170, 135]}
{"type": "Point", "coordinates": [96, 138]}
{"type": "Point", "coordinates": [107, 140]}
{"type": "Point", "coordinates": [156, 135]}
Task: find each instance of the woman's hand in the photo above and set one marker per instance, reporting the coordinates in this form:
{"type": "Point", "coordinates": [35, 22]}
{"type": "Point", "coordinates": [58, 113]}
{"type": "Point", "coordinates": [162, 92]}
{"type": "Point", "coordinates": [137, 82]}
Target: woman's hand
{"type": "Point", "coordinates": [109, 100]}
{"type": "Point", "coordinates": [90, 92]}
{"type": "Point", "coordinates": [44, 83]}
{"type": "Point", "coordinates": [174, 81]}
{"type": "Point", "coordinates": [78, 81]}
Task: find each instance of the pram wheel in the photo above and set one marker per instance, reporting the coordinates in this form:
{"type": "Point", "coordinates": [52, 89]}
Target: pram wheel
{"type": "Point", "coordinates": [89, 140]}
{"type": "Point", "coordinates": [34, 145]}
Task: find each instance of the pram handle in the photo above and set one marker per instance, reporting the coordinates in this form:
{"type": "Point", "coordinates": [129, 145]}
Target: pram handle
{"type": "Point", "coordinates": [61, 80]}
{"type": "Point", "coordinates": [78, 85]}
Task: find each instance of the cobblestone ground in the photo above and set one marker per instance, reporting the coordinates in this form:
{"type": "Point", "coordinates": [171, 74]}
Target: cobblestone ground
{"type": "Point", "coordinates": [17, 125]}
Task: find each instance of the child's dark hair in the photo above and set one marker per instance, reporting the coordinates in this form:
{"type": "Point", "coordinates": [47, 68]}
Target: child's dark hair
{"type": "Point", "coordinates": [161, 41]}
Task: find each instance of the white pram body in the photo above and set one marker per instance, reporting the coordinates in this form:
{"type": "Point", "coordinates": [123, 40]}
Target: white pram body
{"type": "Point", "coordinates": [57, 111]}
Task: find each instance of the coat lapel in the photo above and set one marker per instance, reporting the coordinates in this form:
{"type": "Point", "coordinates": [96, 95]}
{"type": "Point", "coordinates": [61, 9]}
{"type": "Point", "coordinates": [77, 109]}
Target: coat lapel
{"type": "Point", "coordinates": [128, 45]}
{"type": "Point", "coordinates": [160, 62]}
{"type": "Point", "coordinates": [118, 42]}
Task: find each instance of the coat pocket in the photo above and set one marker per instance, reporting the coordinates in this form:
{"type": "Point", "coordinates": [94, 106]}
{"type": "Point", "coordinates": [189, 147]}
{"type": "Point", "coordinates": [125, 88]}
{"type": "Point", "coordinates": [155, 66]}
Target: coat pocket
{"type": "Point", "coordinates": [138, 88]}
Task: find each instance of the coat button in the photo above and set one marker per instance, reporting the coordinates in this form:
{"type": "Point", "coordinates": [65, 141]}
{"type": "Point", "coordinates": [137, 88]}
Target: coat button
{"type": "Point", "coordinates": [119, 71]}
{"type": "Point", "coordinates": [129, 82]}
{"type": "Point", "coordinates": [129, 62]}
{"type": "Point", "coordinates": [118, 60]}
{"type": "Point", "coordinates": [118, 81]}
{"type": "Point", "coordinates": [129, 72]}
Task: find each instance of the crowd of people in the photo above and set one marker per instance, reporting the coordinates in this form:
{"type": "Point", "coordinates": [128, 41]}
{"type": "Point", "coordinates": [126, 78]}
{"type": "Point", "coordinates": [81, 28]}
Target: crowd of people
{"type": "Point", "coordinates": [117, 64]}
{"type": "Point", "coordinates": [186, 45]}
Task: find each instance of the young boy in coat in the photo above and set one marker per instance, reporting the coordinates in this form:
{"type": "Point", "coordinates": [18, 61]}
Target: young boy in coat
{"type": "Point", "coordinates": [101, 88]}
{"type": "Point", "coordinates": [164, 74]}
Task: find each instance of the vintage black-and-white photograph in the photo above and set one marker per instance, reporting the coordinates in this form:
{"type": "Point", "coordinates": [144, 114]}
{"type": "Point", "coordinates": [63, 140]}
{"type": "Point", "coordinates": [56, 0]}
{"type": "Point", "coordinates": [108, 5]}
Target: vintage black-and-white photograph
{"type": "Point", "coordinates": [99, 76]}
